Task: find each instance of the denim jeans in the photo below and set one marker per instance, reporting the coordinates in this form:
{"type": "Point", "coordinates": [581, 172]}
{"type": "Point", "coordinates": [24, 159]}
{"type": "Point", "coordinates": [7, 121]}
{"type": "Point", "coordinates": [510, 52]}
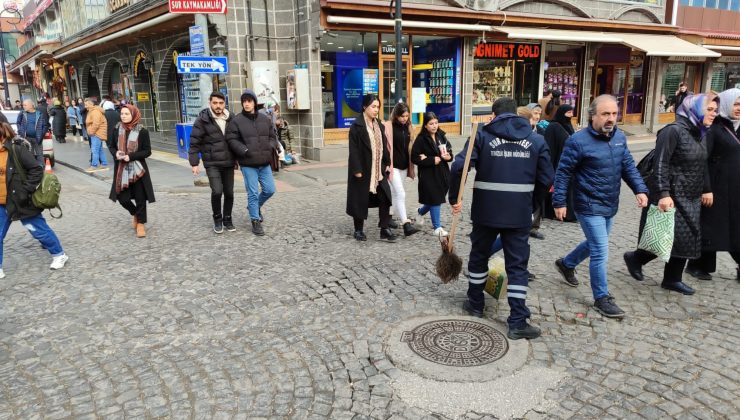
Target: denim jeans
{"type": "Point", "coordinates": [254, 179]}
{"type": "Point", "coordinates": [38, 228]}
{"type": "Point", "coordinates": [434, 213]}
{"type": "Point", "coordinates": [596, 246]}
{"type": "Point", "coordinates": [98, 153]}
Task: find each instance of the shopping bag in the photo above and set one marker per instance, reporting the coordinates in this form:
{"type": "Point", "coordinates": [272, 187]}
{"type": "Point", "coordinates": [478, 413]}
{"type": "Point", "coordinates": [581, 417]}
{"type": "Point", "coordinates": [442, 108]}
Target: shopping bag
{"type": "Point", "coordinates": [657, 235]}
{"type": "Point", "coordinates": [497, 280]}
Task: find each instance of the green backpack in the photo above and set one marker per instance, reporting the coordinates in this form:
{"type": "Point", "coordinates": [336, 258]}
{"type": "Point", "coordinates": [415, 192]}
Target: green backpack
{"type": "Point", "coordinates": [47, 193]}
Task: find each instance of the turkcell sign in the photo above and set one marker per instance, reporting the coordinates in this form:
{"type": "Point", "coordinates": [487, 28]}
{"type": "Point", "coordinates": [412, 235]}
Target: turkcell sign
{"type": "Point", "coordinates": [198, 6]}
{"type": "Point", "coordinates": [192, 65]}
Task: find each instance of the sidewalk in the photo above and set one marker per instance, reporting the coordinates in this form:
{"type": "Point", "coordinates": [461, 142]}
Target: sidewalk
{"type": "Point", "coordinates": [169, 171]}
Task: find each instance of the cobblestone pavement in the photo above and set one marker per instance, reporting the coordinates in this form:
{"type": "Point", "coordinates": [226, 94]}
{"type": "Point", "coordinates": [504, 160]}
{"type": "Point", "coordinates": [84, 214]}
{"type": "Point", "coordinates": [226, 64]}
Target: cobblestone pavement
{"type": "Point", "coordinates": [189, 324]}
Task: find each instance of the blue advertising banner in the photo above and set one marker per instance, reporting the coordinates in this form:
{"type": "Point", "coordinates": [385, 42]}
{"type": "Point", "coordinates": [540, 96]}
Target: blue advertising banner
{"type": "Point", "coordinates": [349, 78]}
{"type": "Point", "coordinates": [197, 44]}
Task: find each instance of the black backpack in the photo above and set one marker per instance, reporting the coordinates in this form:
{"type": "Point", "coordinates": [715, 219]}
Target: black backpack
{"type": "Point", "coordinates": [646, 166]}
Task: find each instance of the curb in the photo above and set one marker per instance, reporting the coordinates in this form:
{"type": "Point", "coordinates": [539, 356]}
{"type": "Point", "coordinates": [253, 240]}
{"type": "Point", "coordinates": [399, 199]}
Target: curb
{"type": "Point", "coordinates": [78, 169]}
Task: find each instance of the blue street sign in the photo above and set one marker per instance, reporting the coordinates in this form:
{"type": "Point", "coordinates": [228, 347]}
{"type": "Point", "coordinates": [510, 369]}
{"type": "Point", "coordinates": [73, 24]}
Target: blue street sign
{"type": "Point", "coordinates": [212, 65]}
{"type": "Point", "coordinates": [197, 45]}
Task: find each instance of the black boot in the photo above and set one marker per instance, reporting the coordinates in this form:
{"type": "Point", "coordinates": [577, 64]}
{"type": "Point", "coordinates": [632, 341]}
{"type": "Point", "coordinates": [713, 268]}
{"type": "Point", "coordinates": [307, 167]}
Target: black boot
{"type": "Point", "coordinates": [229, 224]}
{"type": "Point", "coordinates": [218, 224]}
{"type": "Point", "coordinates": [409, 229]}
{"type": "Point", "coordinates": [633, 266]}
{"type": "Point", "coordinates": [387, 235]}
{"type": "Point", "coordinates": [257, 228]}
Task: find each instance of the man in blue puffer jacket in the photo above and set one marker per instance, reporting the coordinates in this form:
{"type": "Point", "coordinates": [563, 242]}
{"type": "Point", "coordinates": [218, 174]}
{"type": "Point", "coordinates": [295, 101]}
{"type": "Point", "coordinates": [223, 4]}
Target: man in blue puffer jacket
{"type": "Point", "coordinates": [509, 159]}
{"type": "Point", "coordinates": [596, 160]}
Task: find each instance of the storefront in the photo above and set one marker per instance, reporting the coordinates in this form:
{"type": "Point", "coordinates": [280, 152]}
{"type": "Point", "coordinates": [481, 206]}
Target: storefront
{"type": "Point", "coordinates": [726, 73]}
{"type": "Point", "coordinates": [354, 64]}
{"type": "Point", "coordinates": [619, 71]}
{"type": "Point", "coordinates": [504, 69]}
{"type": "Point", "coordinates": [563, 71]}
{"type": "Point", "coordinates": [678, 69]}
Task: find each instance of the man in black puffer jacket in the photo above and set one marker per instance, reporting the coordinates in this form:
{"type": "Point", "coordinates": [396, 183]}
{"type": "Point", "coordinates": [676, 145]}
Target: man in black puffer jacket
{"type": "Point", "coordinates": [208, 142]}
{"type": "Point", "coordinates": [252, 139]}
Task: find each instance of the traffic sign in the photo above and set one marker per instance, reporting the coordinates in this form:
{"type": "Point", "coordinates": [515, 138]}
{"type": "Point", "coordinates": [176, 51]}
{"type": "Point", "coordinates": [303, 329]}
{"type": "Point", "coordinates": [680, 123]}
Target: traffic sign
{"type": "Point", "coordinates": [212, 65]}
{"type": "Point", "coordinates": [198, 6]}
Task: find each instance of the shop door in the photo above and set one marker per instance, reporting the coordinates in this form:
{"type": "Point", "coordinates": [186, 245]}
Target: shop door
{"type": "Point", "coordinates": [611, 80]}
{"type": "Point", "coordinates": [387, 88]}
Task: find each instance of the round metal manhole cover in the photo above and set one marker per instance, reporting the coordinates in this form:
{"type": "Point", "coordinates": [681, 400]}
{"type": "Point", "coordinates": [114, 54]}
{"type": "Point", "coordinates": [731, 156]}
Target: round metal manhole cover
{"type": "Point", "coordinates": [454, 342]}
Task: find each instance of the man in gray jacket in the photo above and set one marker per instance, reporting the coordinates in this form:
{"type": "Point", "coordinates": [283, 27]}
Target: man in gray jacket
{"type": "Point", "coordinates": [252, 140]}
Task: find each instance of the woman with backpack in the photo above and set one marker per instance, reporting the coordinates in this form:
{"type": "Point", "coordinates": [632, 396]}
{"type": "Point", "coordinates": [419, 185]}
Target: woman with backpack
{"type": "Point", "coordinates": [398, 131]}
{"type": "Point", "coordinates": [557, 133]}
{"type": "Point", "coordinates": [20, 175]}
{"type": "Point", "coordinates": [679, 181]}
{"type": "Point", "coordinates": [132, 185]}
{"type": "Point", "coordinates": [720, 223]}
{"type": "Point", "coordinates": [432, 153]}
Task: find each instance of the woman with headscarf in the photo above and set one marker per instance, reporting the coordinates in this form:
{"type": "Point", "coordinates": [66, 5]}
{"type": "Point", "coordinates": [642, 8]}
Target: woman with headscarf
{"type": "Point", "coordinates": [132, 185]}
{"type": "Point", "coordinates": [59, 121]}
{"type": "Point", "coordinates": [368, 170]}
{"type": "Point", "coordinates": [720, 223]}
{"type": "Point", "coordinates": [556, 134]}
{"type": "Point", "coordinates": [536, 110]}
{"type": "Point", "coordinates": [680, 182]}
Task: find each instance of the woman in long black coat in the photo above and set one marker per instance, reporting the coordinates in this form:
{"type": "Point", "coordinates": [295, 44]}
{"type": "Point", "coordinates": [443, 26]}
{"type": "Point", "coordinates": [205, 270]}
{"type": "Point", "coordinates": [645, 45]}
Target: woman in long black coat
{"type": "Point", "coordinates": [556, 134]}
{"type": "Point", "coordinates": [132, 184]}
{"type": "Point", "coordinates": [59, 123]}
{"type": "Point", "coordinates": [681, 181]}
{"type": "Point", "coordinates": [720, 223]}
{"type": "Point", "coordinates": [368, 169]}
{"type": "Point", "coordinates": [432, 153]}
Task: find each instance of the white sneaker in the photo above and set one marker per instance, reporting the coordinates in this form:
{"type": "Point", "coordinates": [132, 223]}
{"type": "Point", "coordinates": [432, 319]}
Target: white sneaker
{"type": "Point", "coordinates": [419, 220]}
{"type": "Point", "coordinates": [440, 232]}
{"type": "Point", "coordinates": [58, 262]}
{"type": "Point", "coordinates": [2, 274]}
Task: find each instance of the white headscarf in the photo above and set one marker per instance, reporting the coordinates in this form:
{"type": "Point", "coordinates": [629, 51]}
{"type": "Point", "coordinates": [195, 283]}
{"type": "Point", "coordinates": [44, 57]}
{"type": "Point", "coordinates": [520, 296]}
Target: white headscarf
{"type": "Point", "coordinates": [726, 102]}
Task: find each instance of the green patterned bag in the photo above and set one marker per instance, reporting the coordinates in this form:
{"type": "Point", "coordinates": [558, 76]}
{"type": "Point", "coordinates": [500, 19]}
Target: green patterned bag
{"type": "Point", "coordinates": [657, 236]}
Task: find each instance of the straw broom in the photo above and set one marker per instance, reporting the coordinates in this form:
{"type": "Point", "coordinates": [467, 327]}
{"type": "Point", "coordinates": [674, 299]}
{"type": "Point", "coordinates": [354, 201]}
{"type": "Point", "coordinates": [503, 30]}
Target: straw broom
{"type": "Point", "coordinates": [449, 264]}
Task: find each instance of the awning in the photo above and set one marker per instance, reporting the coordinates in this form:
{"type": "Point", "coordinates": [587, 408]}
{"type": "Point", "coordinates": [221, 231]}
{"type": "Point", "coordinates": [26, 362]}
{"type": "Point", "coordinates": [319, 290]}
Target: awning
{"type": "Point", "coordinates": [544, 34]}
{"type": "Point", "coordinates": [666, 46]}
{"type": "Point", "coordinates": [29, 60]}
{"type": "Point", "coordinates": [722, 47]}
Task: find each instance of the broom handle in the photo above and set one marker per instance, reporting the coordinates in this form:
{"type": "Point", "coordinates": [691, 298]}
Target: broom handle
{"type": "Point", "coordinates": [463, 179]}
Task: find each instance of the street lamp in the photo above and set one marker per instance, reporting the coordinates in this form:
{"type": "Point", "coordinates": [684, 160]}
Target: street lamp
{"type": "Point", "coordinates": [219, 49]}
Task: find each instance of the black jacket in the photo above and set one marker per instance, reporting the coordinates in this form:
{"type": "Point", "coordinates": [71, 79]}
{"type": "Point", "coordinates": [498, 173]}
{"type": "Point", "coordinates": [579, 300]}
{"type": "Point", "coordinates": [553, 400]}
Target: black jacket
{"type": "Point", "coordinates": [252, 139]}
{"type": "Point", "coordinates": [434, 180]}
{"type": "Point", "coordinates": [112, 118]}
{"type": "Point", "coordinates": [18, 203]}
{"type": "Point", "coordinates": [208, 140]}
{"type": "Point", "coordinates": [361, 161]}
{"type": "Point", "coordinates": [720, 224]}
{"type": "Point", "coordinates": [681, 173]}
{"type": "Point", "coordinates": [59, 125]}
{"type": "Point", "coordinates": [509, 160]}
{"type": "Point", "coordinates": [401, 143]}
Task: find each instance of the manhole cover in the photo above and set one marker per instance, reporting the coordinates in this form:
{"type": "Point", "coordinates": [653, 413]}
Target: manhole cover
{"type": "Point", "coordinates": [454, 342]}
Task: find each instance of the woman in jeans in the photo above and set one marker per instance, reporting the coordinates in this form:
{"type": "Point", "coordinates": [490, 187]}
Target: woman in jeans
{"type": "Point", "coordinates": [398, 131]}
{"type": "Point", "coordinates": [680, 182]}
{"type": "Point", "coordinates": [20, 175]}
{"type": "Point", "coordinates": [432, 153]}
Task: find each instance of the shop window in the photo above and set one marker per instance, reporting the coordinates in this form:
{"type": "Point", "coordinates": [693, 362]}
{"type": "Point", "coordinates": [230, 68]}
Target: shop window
{"type": "Point", "coordinates": [562, 72]}
{"type": "Point", "coordinates": [436, 68]}
{"type": "Point", "coordinates": [671, 79]}
{"type": "Point", "coordinates": [504, 70]}
{"type": "Point", "coordinates": [718, 77]}
{"type": "Point", "coordinates": [732, 76]}
{"type": "Point", "coordinates": [349, 70]}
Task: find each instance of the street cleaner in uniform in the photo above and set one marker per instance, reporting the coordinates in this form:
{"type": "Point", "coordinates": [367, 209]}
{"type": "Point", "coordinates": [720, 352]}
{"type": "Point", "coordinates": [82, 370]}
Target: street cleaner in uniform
{"type": "Point", "coordinates": [509, 159]}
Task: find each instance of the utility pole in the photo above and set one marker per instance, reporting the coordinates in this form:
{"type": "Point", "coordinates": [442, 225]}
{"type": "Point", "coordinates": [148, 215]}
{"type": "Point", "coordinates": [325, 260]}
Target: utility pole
{"type": "Point", "coordinates": [6, 102]}
{"type": "Point", "coordinates": [399, 53]}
